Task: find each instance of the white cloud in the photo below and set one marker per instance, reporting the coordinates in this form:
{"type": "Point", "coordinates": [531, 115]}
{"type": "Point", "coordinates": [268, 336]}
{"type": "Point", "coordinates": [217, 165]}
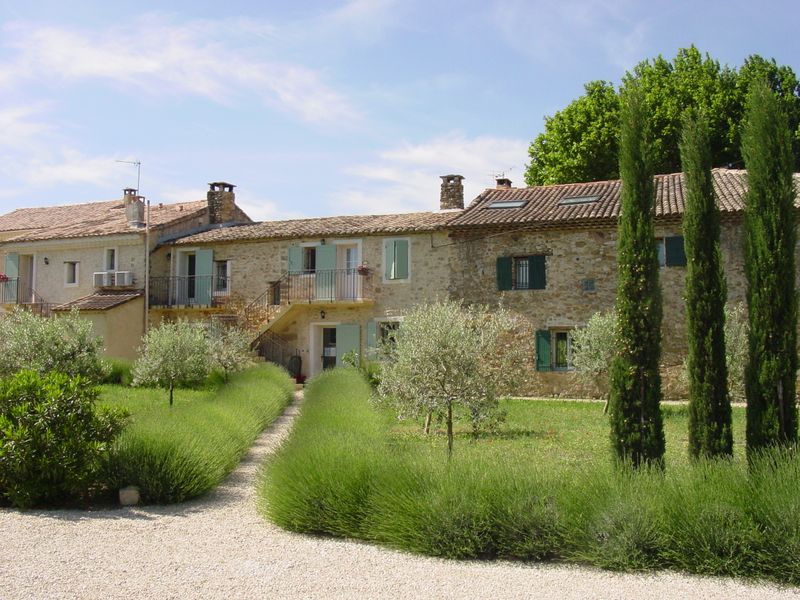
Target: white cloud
{"type": "Point", "coordinates": [217, 60]}
{"type": "Point", "coordinates": [568, 30]}
{"type": "Point", "coordinates": [69, 166]}
{"type": "Point", "coordinates": [22, 126]}
{"type": "Point", "coordinates": [406, 177]}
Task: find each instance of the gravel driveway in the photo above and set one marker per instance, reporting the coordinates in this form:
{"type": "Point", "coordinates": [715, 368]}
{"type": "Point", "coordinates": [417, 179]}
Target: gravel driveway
{"type": "Point", "coordinates": [219, 547]}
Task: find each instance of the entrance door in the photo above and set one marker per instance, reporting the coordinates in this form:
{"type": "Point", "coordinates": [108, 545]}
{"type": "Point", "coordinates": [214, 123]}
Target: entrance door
{"type": "Point", "coordinates": [328, 347]}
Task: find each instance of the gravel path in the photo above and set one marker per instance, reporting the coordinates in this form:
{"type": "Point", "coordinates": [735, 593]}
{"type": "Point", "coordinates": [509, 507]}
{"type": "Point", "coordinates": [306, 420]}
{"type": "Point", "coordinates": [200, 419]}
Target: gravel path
{"type": "Point", "coordinates": [220, 547]}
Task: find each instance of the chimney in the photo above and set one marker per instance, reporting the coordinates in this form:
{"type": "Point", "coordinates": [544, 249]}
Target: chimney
{"type": "Point", "coordinates": [503, 183]}
{"type": "Point", "coordinates": [134, 208]}
{"type": "Point", "coordinates": [221, 202]}
{"type": "Point", "coordinates": [452, 195]}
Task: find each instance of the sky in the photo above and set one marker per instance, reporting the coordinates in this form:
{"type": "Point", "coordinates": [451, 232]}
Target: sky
{"type": "Point", "coordinates": [322, 108]}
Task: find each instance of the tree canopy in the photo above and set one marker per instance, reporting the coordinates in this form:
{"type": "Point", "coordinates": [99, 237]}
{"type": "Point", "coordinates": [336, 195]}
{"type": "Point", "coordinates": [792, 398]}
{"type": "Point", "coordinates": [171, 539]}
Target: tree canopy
{"type": "Point", "coordinates": [581, 141]}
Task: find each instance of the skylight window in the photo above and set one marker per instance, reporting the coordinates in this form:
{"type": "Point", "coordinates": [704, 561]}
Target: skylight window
{"type": "Point", "coordinates": [508, 204]}
{"type": "Point", "coordinates": [578, 200]}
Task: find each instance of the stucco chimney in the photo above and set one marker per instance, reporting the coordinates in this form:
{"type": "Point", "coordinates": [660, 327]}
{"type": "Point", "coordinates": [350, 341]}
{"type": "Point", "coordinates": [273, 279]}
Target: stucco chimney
{"type": "Point", "coordinates": [134, 207]}
{"type": "Point", "coordinates": [221, 202]}
{"type": "Point", "coordinates": [503, 183]}
{"type": "Point", "coordinates": [452, 195]}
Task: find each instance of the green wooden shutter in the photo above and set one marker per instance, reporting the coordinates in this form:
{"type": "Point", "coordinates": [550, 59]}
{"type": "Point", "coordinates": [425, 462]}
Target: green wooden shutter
{"type": "Point", "coordinates": [543, 350]}
{"type": "Point", "coordinates": [675, 252]}
{"type": "Point", "coordinates": [204, 269]}
{"type": "Point", "coordinates": [372, 334]}
{"type": "Point", "coordinates": [348, 338]}
{"type": "Point", "coordinates": [538, 272]}
{"type": "Point", "coordinates": [504, 279]}
{"type": "Point", "coordinates": [295, 263]}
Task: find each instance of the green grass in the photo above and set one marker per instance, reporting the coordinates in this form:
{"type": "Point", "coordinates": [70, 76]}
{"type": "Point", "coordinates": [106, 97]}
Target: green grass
{"type": "Point", "coordinates": [174, 454]}
{"type": "Point", "coordinates": [543, 488]}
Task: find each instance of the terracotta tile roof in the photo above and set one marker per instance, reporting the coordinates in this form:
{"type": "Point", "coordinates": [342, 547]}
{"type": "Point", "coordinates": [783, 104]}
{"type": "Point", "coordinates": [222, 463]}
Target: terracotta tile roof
{"type": "Point", "coordinates": [326, 226]}
{"type": "Point", "coordinates": [90, 219]}
{"type": "Point", "coordinates": [594, 202]}
{"type": "Point", "coordinates": [103, 300]}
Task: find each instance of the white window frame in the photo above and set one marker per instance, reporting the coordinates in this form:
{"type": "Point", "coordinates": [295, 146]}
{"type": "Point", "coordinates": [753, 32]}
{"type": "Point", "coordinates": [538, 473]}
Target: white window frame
{"type": "Point", "coordinates": [77, 281]}
{"type": "Point", "coordinates": [115, 267]}
{"type": "Point", "coordinates": [383, 261]}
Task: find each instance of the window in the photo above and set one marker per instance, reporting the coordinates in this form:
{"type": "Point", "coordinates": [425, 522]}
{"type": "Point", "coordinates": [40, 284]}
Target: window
{"type": "Point", "coordinates": [71, 273]}
{"type": "Point", "coordinates": [309, 259]}
{"type": "Point", "coordinates": [396, 260]}
{"type": "Point", "coordinates": [222, 276]}
{"type": "Point", "coordinates": [553, 350]}
{"type": "Point", "coordinates": [671, 252]}
{"type": "Point", "coordinates": [111, 259]}
{"type": "Point", "coordinates": [521, 272]}
{"type": "Point", "coordinates": [387, 330]}
{"type": "Point", "coordinates": [508, 204]}
{"type": "Point", "coordinates": [578, 200]}
{"type": "Point", "coordinates": [588, 285]}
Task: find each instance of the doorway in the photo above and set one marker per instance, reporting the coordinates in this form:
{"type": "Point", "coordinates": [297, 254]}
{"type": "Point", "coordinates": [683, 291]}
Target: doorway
{"type": "Point", "coordinates": [328, 347]}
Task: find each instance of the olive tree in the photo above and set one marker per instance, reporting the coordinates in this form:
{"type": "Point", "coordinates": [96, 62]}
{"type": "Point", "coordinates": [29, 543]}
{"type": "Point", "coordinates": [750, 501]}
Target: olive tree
{"type": "Point", "coordinates": [593, 349]}
{"type": "Point", "coordinates": [229, 349]}
{"type": "Point", "coordinates": [64, 343]}
{"type": "Point", "coordinates": [173, 353]}
{"type": "Point", "coordinates": [445, 355]}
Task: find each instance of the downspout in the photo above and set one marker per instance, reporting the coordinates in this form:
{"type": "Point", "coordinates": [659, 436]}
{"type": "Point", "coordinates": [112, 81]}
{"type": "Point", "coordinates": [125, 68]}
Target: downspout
{"type": "Point", "coordinates": [146, 267]}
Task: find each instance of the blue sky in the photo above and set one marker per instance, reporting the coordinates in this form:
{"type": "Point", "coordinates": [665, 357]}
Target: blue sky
{"type": "Point", "coordinates": [321, 108]}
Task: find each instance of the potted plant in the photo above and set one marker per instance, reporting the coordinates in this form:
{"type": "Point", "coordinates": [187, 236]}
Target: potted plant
{"type": "Point", "coordinates": [3, 278]}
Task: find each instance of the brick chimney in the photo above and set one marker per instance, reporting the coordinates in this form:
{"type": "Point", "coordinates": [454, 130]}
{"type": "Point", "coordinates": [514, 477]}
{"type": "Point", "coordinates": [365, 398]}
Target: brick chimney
{"type": "Point", "coordinates": [221, 202]}
{"type": "Point", "coordinates": [503, 183]}
{"type": "Point", "coordinates": [452, 195]}
{"type": "Point", "coordinates": [134, 208]}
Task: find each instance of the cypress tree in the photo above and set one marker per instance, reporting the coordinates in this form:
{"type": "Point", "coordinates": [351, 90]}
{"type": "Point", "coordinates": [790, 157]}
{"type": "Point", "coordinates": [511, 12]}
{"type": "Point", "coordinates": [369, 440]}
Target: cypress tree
{"type": "Point", "coordinates": [709, 404]}
{"type": "Point", "coordinates": [637, 432]}
{"type": "Point", "coordinates": [770, 240]}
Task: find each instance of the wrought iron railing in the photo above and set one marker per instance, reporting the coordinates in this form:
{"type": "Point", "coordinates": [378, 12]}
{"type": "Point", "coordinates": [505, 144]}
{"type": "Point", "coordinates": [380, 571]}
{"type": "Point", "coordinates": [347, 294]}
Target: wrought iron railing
{"type": "Point", "coordinates": [194, 290]}
{"type": "Point", "coordinates": [13, 291]}
{"type": "Point", "coordinates": [276, 349]}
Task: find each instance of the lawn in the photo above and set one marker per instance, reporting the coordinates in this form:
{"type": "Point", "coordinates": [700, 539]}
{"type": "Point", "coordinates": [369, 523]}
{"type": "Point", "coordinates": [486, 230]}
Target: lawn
{"type": "Point", "coordinates": [543, 488]}
{"type": "Point", "coordinates": [559, 432]}
{"type": "Point", "coordinates": [173, 454]}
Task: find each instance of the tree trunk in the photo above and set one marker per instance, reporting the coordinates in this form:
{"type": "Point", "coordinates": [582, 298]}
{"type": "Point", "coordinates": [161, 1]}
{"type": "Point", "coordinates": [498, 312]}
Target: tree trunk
{"type": "Point", "coordinates": [428, 418]}
{"type": "Point", "coordinates": [171, 389]}
{"type": "Point", "coordinates": [449, 429]}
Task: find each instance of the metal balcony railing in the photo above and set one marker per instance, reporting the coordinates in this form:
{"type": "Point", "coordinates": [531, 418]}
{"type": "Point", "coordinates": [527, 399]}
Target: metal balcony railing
{"type": "Point", "coordinates": [14, 291]}
{"type": "Point", "coordinates": [335, 285]}
{"type": "Point", "coordinates": [194, 290]}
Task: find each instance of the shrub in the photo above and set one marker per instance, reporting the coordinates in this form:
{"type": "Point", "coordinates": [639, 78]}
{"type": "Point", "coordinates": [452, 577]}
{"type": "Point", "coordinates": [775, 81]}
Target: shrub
{"type": "Point", "coordinates": [63, 343]}
{"type": "Point", "coordinates": [229, 348]}
{"type": "Point", "coordinates": [53, 439]}
{"type": "Point", "coordinates": [593, 348]}
{"type": "Point", "coordinates": [117, 372]}
{"type": "Point", "coordinates": [176, 454]}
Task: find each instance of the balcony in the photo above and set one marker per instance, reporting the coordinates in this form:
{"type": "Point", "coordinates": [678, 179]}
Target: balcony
{"type": "Point", "coordinates": [14, 291]}
{"type": "Point", "coordinates": [335, 285]}
{"type": "Point", "coordinates": [189, 291]}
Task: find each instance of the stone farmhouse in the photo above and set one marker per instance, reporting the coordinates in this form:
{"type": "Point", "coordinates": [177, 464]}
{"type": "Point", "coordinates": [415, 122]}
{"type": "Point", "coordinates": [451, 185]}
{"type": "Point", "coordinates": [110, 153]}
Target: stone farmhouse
{"type": "Point", "coordinates": [322, 287]}
{"type": "Point", "coordinates": [91, 257]}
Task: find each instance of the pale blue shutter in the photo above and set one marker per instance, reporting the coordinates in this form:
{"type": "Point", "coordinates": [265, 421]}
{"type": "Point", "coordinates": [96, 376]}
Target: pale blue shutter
{"type": "Point", "coordinates": [325, 284]}
{"type": "Point", "coordinates": [401, 259]}
{"type": "Point", "coordinates": [348, 338]}
{"type": "Point", "coordinates": [204, 269]}
{"type": "Point", "coordinates": [372, 334]}
{"type": "Point", "coordinates": [295, 259]}
{"type": "Point", "coordinates": [9, 290]}
{"type": "Point", "coordinates": [388, 253]}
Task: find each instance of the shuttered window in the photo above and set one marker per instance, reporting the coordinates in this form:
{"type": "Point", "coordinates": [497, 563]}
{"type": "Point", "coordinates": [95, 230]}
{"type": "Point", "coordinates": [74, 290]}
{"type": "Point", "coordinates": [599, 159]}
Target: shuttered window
{"type": "Point", "coordinates": [671, 252]}
{"type": "Point", "coordinates": [396, 256]}
{"type": "Point", "coordinates": [521, 272]}
{"type": "Point", "coordinates": [543, 350]}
